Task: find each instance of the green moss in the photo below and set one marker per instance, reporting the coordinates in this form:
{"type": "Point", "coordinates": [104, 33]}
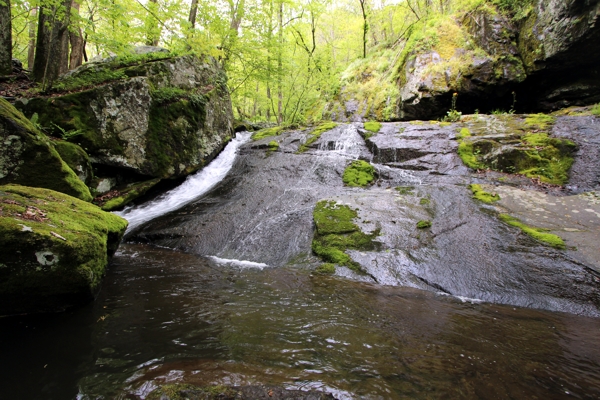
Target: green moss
{"type": "Point", "coordinates": [424, 201]}
{"type": "Point", "coordinates": [373, 126]}
{"type": "Point", "coordinates": [539, 121]}
{"type": "Point", "coordinates": [359, 174]}
{"type": "Point", "coordinates": [468, 157]}
{"type": "Point", "coordinates": [316, 134]}
{"type": "Point", "coordinates": [595, 110]}
{"type": "Point", "coordinates": [482, 195]}
{"type": "Point", "coordinates": [463, 133]}
{"type": "Point", "coordinates": [273, 145]}
{"type": "Point", "coordinates": [121, 198]}
{"type": "Point", "coordinates": [423, 224]}
{"type": "Point", "coordinates": [77, 159]}
{"type": "Point", "coordinates": [536, 233]}
{"type": "Point", "coordinates": [31, 159]}
{"type": "Point", "coordinates": [326, 269]}
{"type": "Point", "coordinates": [336, 232]}
{"type": "Point", "coordinates": [172, 138]}
{"type": "Point", "coordinates": [405, 190]}
{"type": "Point", "coordinates": [72, 240]}
{"type": "Point", "coordinates": [263, 133]}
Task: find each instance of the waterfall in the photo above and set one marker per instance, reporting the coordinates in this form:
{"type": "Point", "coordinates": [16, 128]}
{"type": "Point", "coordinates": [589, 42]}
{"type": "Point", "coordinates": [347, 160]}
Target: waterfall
{"type": "Point", "coordinates": [194, 186]}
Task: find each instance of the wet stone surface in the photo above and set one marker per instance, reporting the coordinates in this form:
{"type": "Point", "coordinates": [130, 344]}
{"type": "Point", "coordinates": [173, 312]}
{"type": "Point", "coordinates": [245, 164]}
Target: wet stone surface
{"type": "Point", "coordinates": [262, 212]}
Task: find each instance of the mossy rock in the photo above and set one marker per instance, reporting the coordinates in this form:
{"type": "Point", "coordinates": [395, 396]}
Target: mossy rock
{"type": "Point", "coordinates": [482, 195]}
{"type": "Point", "coordinates": [77, 159]}
{"type": "Point", "coordinates": [27, 157]}
{"type": "Point", "coordinates": [537, 233]}
{"type": "Point", "coordinates": [336, 233]}
{"type": "Point", "coordinates": [54, 249]}
{"type": "Point", "coordinates": [359, 174]}
{"type": "Point", "coordinates": [117, 199]}
{"type": "Point", "coordinates": [316, 134]}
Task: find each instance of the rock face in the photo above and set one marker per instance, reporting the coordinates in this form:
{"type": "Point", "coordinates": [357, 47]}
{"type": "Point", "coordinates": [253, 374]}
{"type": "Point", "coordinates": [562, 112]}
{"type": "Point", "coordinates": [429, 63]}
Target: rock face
{"type": "Point", "coordinates": [27, 157]}
{"type": "Point", "coordinates": [53, 249]}
{"type": "Point", "coordinates": [558, 43]}
{"type": "Point", "coordinates": [545, 61]}
{"type": "Point", "coordinates": [483, 74]}
{"type": "Point", "coordinates": [160, 118]}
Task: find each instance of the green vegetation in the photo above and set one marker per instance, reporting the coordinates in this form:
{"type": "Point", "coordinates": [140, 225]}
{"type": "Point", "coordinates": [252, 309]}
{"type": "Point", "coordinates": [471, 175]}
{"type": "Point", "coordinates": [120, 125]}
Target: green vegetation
{"type": "Point", "coordinates": [316, 134]}
{"type": "Point", "coordinates": [424, 201]}
{"type": "Point", "coordinates": [539, 121]}
{"type": "Point", "coordinates": [595, 110]}
{"type": "Point", "coordinates": [423, 224]}
{"type": "Point", "coordinates": [273, 146]}
{"type": "Point", "coordinates": [373, 126]}
{"type": "Point", "coordinates": [336, 232]}
{"type": "Point", "coordinates": [468, 156]}
{"type": "Point", "coordinates": [359, 174]}
{"type": "Point", "coordinates": [67, 242]}
{"type": "Point", "coordinates": [118, 199]}
{"type": "Point", "coordinates": [405, 190]}
{"type": "Point", "coordinates": [482, 195]}
{"type": "Point", "coordinates": [326, 269]}
{"type": "Point", "coordinates": [536, 233]}
{"type": "Point", "coordinates": [463, 133]}
{"type": "Point", "coordinates": [267, 132]}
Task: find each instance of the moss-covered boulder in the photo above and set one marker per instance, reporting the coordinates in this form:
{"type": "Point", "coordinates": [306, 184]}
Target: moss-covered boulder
{"type": "Point", "coordinates": [157, 117]}
{"type": "Point", "coordinates": [53, 249]}
{"type": "Point", "coordinates": [27, 157]}
{"type": "Point", "coordinates": [77, 159]}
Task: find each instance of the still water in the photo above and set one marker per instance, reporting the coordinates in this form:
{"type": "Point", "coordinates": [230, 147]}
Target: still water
{"type": "Point", "coordinates": [166, 316]}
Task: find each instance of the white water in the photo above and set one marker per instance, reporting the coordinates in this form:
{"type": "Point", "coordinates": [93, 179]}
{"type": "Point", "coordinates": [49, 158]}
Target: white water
{"type": "Point", "coordinates": [238, 263]}
{"type": "Point", "coordinates": [194, 186]}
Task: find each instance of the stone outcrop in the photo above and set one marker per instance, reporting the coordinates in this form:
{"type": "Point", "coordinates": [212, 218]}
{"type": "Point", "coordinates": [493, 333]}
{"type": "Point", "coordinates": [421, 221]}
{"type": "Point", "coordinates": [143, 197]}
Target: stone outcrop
{"type": "Point", "coordinates": [28, 157]}
{"type": "Point", "coordinates": [558, 43]}
{"type": "Point", "coordinates": [544, 61]}
{"type": "Point", "coordinates": [164, 117]}
{"type": "Point", "coordinates": [53, 249]}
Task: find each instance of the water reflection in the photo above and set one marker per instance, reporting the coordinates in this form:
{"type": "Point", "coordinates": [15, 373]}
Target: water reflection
{"type": "Point", "coordinates": [168, 316]}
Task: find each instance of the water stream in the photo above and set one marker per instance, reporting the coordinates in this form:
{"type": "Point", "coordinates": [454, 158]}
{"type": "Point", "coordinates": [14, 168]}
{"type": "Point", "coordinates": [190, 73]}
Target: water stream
{"type": "Point", "coordinates": [224, 293]}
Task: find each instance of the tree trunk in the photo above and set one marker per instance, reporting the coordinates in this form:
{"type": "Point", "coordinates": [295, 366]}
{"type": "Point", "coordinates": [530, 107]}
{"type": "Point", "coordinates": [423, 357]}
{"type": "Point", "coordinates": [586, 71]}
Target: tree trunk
{"type": "Point", "coordinates": [31, 46]}
{"type": "Point", "coordinates": [50, 49]}
{"type": "Point", "coordinates": [76, 39]}
{"type": "Point", "coordinates": [5, 38]}
{"type": "Point", "coordinates": [363, 7]}
{"type": "Point", "coordinates": [193, 13]}
{"type": "Point", "coordinates": [280, 68]}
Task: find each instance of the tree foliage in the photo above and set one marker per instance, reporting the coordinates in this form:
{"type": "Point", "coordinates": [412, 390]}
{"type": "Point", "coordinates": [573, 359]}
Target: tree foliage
{"type": "Point", "coordinates": [285, 59]}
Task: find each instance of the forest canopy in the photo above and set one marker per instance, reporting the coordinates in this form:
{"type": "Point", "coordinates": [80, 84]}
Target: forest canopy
{"type": "Point", "coordinates": [284, 58]}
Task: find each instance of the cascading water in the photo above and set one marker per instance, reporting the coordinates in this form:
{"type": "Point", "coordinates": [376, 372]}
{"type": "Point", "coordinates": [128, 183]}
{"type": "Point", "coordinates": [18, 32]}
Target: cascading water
{"type": "Point", "coordinates": [194, 187]}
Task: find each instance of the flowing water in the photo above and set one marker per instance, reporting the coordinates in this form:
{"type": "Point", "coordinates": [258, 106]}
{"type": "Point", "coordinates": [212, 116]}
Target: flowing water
{"type": "Point", "coordinates": [226, 295]}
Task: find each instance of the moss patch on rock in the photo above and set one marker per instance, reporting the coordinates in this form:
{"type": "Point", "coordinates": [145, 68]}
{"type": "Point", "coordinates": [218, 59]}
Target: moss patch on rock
{"type": "Point", "coordinates": [359, 174]}
{"type": "Point", "coordinates": [325, 269]}
{"type": "Point", "coordinates": [27, 157]}
{"type": "Point", "coordinates": [537, 233]}
{"type": "Point", "coordinates": [482, 195]}
{"type": "Point", "coordinates": [423, 224]}
{"type": "Point", "coordinates": [53, 249]}
{"type": "Point", "coordinates": [77, 159]}
{"type": "Point", "coordinates": [267, 132]}
{"type": "Point", "coordinates": [117, 199]}
{"type": "Point", "coordinates": [316, 134]}
{"type": "Point", "coordinates": [336, 232]}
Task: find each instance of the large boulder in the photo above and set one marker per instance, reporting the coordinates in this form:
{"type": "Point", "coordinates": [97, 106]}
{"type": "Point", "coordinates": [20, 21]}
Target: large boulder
{"type": "Point", "coordinates": [161, 117]}
{"type": "Point", "coordinates": [53, 249]}
{"type": "Point", "coordinates": [475, 58]}
{"type": "Point", "coordinates": [558, 43]}
{"type": "Point", "coordinates": [27, 157]}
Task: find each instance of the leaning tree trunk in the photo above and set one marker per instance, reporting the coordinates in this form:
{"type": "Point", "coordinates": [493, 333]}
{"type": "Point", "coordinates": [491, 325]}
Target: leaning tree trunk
{"type": "Point", "coordinates": [5, 38]}
{"type": "Point", "coordinates": [50, 52]}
